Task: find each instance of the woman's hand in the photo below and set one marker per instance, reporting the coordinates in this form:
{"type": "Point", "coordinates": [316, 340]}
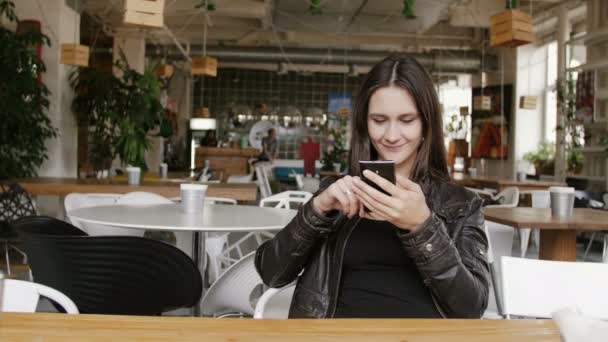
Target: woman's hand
{"type": "Point", "coordinates": [406, 207]}
{"type": "Point", "coordinates": [338, 196]}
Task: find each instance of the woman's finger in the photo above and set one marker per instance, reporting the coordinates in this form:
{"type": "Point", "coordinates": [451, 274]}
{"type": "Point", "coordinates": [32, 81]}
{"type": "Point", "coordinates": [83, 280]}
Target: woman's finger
{"type": "Point", "coordinates": [346, 192]}
{"type": "Point", "coordinates": [380, 181]}
{"type": "Point", "coordinates": [339, 194]}
{"type": "Point", "coordinates": [373, 193]}
{"type": "Point", "coordinates": [370, 202]}
{"type": "Point", "coordinates": [354, 203]}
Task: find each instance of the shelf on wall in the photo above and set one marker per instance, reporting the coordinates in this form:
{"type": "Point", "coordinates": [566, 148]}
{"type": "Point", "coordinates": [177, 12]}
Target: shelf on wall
{"type": "Point", "coordinates": [590, 38]}
{"type": "Point", "coordinates": [591, 178]}
{"type": "Point", "coordinates": [590, 66]}
{"type": "Point", "coordinates": [590, 149]}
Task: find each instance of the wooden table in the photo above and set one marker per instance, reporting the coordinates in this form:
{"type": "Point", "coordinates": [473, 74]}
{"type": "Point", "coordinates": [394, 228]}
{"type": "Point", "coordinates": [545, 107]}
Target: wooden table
{"type": "Point", "coordinates": [63, 186]}
{"type": "Point", "coordinates": [557, 236]}
{"type": "Point", "coordinates": [500, 183]}
{"type": "Point", "coordinates": [103, 328]}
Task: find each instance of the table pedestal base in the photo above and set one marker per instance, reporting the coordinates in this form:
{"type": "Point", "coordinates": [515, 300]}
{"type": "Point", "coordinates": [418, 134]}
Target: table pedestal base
{"type": "Point", "coordinates": [558, 245]}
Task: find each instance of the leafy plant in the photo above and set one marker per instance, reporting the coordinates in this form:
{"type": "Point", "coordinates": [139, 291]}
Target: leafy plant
{"type": "Point", "coordinates": [24, 125]}
{"type": "Point", "coordinates": [335, 151]}
{"type": "Point", "coordinates": [575, 161]}
{"type": "Point", "coordinates": [457, 127]}
{"type": "Point", "coordinates": [120, 112]}
{"type": "Point", "coordinates": [543, 158]}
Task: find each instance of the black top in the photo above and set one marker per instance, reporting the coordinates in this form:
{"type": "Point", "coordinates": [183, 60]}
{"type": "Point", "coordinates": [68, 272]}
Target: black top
{"type": "Point", "coordinates": [378, 279]}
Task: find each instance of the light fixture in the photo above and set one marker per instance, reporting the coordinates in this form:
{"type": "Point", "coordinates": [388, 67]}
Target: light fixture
{"type": "Point", "coordinates": [201, 124]}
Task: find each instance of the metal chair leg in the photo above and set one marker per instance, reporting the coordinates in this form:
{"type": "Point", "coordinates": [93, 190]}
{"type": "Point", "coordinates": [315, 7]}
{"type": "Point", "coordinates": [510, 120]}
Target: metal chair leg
{"type": "Point", "coordinates": [589, 246]}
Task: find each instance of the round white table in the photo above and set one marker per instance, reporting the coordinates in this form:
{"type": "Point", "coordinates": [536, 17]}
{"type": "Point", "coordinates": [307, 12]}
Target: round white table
{"type": "Point", "coordinates": [213, 218]}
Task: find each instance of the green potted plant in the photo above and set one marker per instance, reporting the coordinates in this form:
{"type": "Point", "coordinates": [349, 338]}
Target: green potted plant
{"type": "Point", "coordinates": [120, 112]}
{"type": "Point", "coordinates": [25, 126]}
{"type": "Point", "coordinates": [139, 112]}
{"type": "Point", "coordinates": [543, 158]}
{"type": "Point", "coordinates": [335, 151]}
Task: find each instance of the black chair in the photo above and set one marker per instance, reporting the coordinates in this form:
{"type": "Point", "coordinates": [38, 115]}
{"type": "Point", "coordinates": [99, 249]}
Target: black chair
{"type": "Point", "coordinates": [122, 275]}
{"type": "Point", "coordinates": [15, 203]}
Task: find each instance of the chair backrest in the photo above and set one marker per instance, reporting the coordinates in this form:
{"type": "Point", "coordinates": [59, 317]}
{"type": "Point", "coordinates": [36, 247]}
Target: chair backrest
{"type": "Point", "coordinates": [23, 296]}
{"type": "Point", "coordinates": [261, 172]}
{"type": "Point", "coordinates": [142, 198]}
{"type": "Point", "coordinates": [109, 274]}
{"type": "Point", "coordinates": [285, 199]}
{"type": "Point", "coordinates": [275, 303]}
{"type": "Point", "coordinates": [509, 198]}
{"type": "Point", "coordinates": [537, 288]}
{"type": "Point", "coordinates": [15, 202]}
{"type": "Point", "coordinates": [76, 200]}
{"type": "Point", "coordinates": [235, 291]}
{"type": "Point", "coordinates": [220, 200]}
{"type": "Point", "coordinates": [500, 244]}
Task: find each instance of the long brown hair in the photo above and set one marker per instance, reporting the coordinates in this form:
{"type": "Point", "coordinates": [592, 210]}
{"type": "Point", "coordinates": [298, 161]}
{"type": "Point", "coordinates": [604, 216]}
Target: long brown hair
{"type": "Point", "coordinates": [404, 72]}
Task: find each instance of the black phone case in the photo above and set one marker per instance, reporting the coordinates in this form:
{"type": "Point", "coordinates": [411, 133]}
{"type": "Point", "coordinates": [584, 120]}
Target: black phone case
{"type": "Point", "coordinates": [385, 170]}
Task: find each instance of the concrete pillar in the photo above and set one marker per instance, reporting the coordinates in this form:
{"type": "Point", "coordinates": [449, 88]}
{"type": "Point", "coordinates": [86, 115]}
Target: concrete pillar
{"type": "Point", "coordinates": [62, 25]}
{"type": "Point", "coordinates": [563, 34]}
{"type": "Point", "coordinates": [132, 42]}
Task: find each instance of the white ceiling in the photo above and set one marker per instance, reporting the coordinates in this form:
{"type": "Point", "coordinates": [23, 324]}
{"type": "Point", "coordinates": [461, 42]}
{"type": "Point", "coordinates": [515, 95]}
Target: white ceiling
{"type": "Point", "coordinates": [344, 24]}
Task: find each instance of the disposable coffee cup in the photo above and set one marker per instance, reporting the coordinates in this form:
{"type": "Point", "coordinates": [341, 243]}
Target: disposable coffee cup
{"type": "Point", "coordinates": [562, 201]}
{"type": "Point", "coordinates": [163, 168]}
{"type": "Point", "coordinates": [521, 176]}
{"type": "Point", "coordinates": [193, 197]}
{"type": "Point", "coordinates": [133, 175]}
{"type": "Point", "coordinates": [472, 172]}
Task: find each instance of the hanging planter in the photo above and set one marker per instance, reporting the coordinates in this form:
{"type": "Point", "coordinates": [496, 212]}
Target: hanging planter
{"type": "Point", "coordinates": [511, 28]}
{"type": "Point", "coordinates": [204, 66]}
{"type": "Point", "coordinates": [75, 54]}
{"type": "Point", "coordinates": [147, 13]}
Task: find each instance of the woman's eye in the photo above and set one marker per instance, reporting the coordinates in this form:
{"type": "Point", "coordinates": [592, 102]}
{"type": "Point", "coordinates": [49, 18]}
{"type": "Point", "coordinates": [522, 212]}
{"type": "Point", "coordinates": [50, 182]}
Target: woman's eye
{"type": "Point", "coordinates": [408, 121]}
{"type": "Point", "coordinates": [378, 121]}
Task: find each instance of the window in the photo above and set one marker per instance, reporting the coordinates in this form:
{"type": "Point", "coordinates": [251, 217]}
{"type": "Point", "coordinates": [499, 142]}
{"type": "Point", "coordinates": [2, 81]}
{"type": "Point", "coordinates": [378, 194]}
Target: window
{"type": "Point", "coordinates": [550, 115]}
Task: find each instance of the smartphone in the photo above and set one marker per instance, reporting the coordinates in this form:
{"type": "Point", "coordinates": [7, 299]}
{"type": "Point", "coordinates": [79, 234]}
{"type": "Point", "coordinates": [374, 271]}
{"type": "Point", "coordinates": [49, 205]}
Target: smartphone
{"type": "Point", "coordinates": [383, 168]}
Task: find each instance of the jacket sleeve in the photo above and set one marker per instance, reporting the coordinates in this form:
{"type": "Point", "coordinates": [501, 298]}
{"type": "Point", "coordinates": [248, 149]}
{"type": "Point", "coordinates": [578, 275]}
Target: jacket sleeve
{"type": "Point", "coordinates": [456, 271]}
{"type": "Point", "coordinates": [281, 259]}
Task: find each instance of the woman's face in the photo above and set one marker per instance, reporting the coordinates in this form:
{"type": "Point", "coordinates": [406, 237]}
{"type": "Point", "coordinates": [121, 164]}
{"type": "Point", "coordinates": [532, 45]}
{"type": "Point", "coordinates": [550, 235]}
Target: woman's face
{"type": "Point", "coordinates": [394, 126]}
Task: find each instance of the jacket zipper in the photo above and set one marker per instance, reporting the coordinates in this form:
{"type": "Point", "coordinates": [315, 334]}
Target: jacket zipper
{"type": "Point", "coordinates": [335, 303]}
{"type": "Point", "coordinates": [437, 305]}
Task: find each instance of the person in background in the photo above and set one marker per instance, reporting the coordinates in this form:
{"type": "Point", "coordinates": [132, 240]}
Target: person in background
{"type": "Point", "coordinates": [270, 147]}
{"type": "Point", "coordinates": [421, 250]}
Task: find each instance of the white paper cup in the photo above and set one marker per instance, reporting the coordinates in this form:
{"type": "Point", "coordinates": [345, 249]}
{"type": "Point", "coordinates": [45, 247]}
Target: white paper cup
{"type": "Point", "coordinates": [472, 172]}
{"type": "Point", "coordinates": [562, 201]}
{"type": "Point", "coordinates": [133, 175]}
{"type": "Point", "coordinates": [193, 197]}
{"type": "Point", "coordinates": [522, 176]}
{"type": "Point", "coordinates": [163, 168]}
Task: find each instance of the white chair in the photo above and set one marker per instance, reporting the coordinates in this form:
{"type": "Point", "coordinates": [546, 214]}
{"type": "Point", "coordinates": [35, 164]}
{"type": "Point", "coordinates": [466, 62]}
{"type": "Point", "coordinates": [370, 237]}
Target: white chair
{"type": "Point", "coordinates": [216, 243]}
{"type": "Point", "coordinates": [262, 171]}
{"type": "Point", "coordinates": [235, 292]}
{"type": "Point", "coordinates": [23, 296]}
{"type": "Point", "coordinates": [286, 199]}
{"type": "Point", "coordinates": [183, 240]}
{"type": "Point", "coordinates": [540, 199]}
{"type": "Point", "coordinates": [275, 303]}
{"type": "Point", "coordinates": [77, 200]}
{"type": "Point", "coordinates": [500, 243]}
{"type": "Point", "coordinates": [537, 288]}
{"type": "Point", "coordinates": [508, 198]}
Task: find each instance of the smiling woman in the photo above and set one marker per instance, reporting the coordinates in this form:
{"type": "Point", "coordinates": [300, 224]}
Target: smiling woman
{"type": "Point", "coordinates": [419, 251]}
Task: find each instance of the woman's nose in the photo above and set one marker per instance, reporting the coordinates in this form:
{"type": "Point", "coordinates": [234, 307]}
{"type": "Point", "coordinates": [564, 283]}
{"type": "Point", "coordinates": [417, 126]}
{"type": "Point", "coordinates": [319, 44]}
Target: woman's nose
{"type": "Point", "coordinates": [392, 133]}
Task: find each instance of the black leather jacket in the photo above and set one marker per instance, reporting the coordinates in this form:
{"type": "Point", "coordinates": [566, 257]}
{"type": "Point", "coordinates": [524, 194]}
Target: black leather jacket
{"type": "Point", "coordinates": [449, 250]}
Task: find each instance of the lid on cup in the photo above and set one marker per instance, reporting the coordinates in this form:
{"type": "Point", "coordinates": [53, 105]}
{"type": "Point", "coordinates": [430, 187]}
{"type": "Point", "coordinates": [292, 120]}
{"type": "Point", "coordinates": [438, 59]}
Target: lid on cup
{"type": "Point", "coordinates": [191, 186]}
{"type": "Point", "coordinates": [133, 169]}
{"type": "Point", "coordinates": [562, 189]}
